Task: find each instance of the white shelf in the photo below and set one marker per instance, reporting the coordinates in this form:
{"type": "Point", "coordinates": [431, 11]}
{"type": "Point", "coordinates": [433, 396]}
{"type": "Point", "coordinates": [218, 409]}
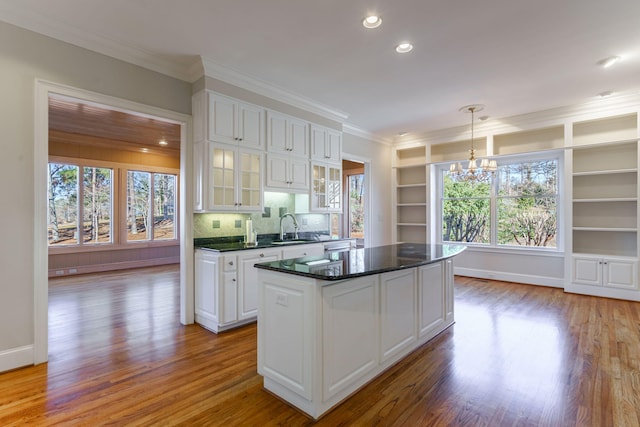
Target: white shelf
{"type": "Point", "coordinates": [411, 204]}
{"type": "Point", "coordinates": [606, 172]}
{"type": "Point", "coordinates": [412, 224]}
{"type": "Point", "coordinates": [411, 185]}
{"type": "Point", "coordinates": [606, 200]}
{"type": "Point", "coordinates": [607, 229]}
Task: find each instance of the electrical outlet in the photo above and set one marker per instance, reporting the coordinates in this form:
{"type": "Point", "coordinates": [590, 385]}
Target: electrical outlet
{"type": "Point", "coordinates": [73, 270]}
{"type": "Point", "coordinates": [215, 223]}
{"type": "Point", "coordinates": [238, 223]}
{"type": "Point", "coordinates": [59, 272]}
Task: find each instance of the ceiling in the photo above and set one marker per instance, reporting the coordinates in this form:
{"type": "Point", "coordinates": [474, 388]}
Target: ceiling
{"type": "Point", "coordinates": [514, 56]}
{"type": "Point", "coordinates": [75, 121]}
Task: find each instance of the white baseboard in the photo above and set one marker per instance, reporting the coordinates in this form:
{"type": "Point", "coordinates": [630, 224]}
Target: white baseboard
{"type": "Point", "coordinates": [98, 268]}
{"type": "Point", "coordinates": [510, 277]}
{"type": "Point", "coordinates": [16, 358]}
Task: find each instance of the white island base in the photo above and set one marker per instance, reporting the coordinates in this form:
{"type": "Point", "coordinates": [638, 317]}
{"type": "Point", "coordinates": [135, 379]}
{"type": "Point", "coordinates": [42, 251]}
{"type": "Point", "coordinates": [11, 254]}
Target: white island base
{"type": "Point", "coordinates": [319, 341]}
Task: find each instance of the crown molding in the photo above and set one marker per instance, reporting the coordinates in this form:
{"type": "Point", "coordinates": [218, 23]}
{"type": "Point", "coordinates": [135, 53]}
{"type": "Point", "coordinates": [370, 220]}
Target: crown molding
{"type": "Point", "coordinates": [39, 23]}
{"type": "Point", "coordinates": [212, 69]}
{"type": "Point", "coordinates": [361, 133]}
{"type": "Point", "coordinates": [591, 110]}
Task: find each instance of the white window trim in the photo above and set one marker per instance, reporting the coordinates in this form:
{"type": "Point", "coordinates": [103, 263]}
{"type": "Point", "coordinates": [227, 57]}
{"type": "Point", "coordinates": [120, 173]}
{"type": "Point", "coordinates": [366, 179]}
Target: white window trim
{"type": "Point", "coordinates": [437, 199]}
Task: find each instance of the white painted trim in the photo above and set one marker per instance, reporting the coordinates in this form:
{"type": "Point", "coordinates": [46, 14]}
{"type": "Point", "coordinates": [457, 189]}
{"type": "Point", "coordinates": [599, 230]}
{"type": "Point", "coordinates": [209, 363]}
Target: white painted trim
{"type": "Point", "coordinates": [115, 266]}
{"type": "Point", "coordinates": [367, 193]}
{"type": "Point", "coordinates": [526, 279]}
{"type": "Point", "coordinates": [601, 291]}
{"type": "Point", "coordinates": [361, 133]}
{"type": "Point", "coordinates": [41, 151]}
{"type": "Point", "coordinates": [595, 109]}
{"type": "Point", "coordinates": [250, 83]}
{"type": "Point", "coordinates": [16, 358]}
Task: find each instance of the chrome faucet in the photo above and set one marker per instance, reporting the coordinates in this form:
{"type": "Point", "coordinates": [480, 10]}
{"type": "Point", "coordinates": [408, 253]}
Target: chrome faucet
{"type": "Point", "coordinates": [295, 225]}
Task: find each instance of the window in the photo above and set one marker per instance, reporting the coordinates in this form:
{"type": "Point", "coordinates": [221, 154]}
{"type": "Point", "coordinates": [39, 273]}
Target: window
{"type": "Point", "coordinates": [519, 208]}
{"type": "Point", "coordinates": [70, 199]}
{"type": "Point", "coordinates": [150, 206]}
{"type": "Point", "coordinates": [83, 212]}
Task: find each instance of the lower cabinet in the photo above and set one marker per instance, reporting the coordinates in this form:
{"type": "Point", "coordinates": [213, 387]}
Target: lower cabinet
{"type": "Point", "coordinates": [248, 280]}
{"type": "Point", "coordinates": [320, 341]}
{"type": "Point", "coordinates": [609, 272]}
{"type": "Point", "coordinates": [226, 283]}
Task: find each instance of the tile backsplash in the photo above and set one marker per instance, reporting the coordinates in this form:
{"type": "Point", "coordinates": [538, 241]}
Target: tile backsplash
{"type": "Point", "coordinates": [266, 222]}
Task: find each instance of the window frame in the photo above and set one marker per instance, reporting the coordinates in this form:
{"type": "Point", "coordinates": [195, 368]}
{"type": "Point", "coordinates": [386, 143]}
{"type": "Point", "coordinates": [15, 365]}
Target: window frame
{"type": "Point", "coordinates": [119, 203]}
{"type": "Point", "coordinates": [557, 155]}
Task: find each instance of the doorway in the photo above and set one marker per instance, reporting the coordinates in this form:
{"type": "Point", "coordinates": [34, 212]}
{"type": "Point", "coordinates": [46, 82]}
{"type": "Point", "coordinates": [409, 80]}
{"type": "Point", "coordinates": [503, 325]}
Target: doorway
{"type": "Point", "coordinates": [44, 90]}
{"type": "Point", "coordinates": [355, 218]}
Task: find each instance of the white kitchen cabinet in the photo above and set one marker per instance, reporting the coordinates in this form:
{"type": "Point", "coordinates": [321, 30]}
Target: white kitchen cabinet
{"type": "Point", "coordinates": [206, 291]}
{"type": "Point", "coordinates": [326, 187]}
{"type": "Point", "coordinates": [248, 279]}
{"type": "Point", "coordinates": [398, 313]}
{"type": "Point", "coordinates": [285, 172]}
{"type": "Point", "coordinates": [234, 122]}
{"type": "Point", "coordinates": [608, 272]}
{"type": "Point", "coordinates": [320, 341]}
{"type": "Point", "coordinates": [302, 250]}
{"type": "Point", "coordinates": [226, 283]}
{"type": "Point", "coordinates": [432, 291]}
{"type": "Point", "coordinates": [326, 144]}
{"type": "Point", "coordinates": [234, 178]}
{"type": "Point", "coordinates": [287, 135]}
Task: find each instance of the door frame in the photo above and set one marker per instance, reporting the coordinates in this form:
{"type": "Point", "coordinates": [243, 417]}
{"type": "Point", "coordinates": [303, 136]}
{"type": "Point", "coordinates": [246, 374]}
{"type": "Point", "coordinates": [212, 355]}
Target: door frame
{"type": "Point", "coordinates": [41, 157]}
{"type": "Point", "coordinates": [367, 197]}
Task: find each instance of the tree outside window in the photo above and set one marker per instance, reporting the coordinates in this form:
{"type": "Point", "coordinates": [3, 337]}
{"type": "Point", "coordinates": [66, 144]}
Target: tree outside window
{"type": "Point", "coordinates": [521, 205]}
{"type": "Point", "coordinates": [70, 199]}
{"type": "Point", "coordinates": [150, 206]}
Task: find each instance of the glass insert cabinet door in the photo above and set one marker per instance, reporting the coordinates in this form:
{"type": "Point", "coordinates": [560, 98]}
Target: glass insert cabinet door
{"type": "Point", "coordinates": [250, 182]}
{"type": "Point", "coordinates": [223, 186]}
{"type": "Point", "coordinates": [319, 197]}
{"type": "Point", "coordinates": [327, 191]}
{"type": "Point", "coordinates": [334, 182]}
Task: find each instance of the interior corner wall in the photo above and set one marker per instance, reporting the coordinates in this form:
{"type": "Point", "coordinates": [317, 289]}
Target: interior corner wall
{"type": "Point", "coordinates": [24, 57]}
{"type": "Point", "coordinates": [380, 191]}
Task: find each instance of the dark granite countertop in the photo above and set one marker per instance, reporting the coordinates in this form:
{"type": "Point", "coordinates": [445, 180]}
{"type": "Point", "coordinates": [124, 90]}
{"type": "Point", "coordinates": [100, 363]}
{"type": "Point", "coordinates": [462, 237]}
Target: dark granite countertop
{"type": "Point", "coordinates": [236, 243]}
{"type": "Point", "coordinates": [364, 262]}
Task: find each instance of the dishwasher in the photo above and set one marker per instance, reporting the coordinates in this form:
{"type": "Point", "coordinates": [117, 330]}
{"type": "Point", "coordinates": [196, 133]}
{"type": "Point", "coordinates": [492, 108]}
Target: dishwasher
{"type": "Point", "coordinates": [339, 245]}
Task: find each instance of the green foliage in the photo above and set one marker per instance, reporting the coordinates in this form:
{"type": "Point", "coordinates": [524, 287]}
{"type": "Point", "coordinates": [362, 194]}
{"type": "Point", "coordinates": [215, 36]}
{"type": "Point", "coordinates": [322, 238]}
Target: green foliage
{"type": "Point", "coordinates": [466, 211]}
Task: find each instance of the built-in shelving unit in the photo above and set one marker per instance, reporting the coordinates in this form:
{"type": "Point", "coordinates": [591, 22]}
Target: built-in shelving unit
{"type": "Point", "coordinates": [604, 222]}
{"type": "Point", "coordinates": [411, 190]}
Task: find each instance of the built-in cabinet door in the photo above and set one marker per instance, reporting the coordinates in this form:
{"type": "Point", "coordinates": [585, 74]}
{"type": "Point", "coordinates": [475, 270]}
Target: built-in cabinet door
{"type": "Point", "coordinates": [299, 138]}
{"type": "Point", "coordinates": [326, 191]}
{"type": "Point", "coordinates": [298, 173]}
{"type": "Point", "coordinates": [234, 122]}
{"type": "Point", "coordinates": [248, 280]}
{"type": "Point", "coordinates": [333, 152]}
{"type": "Point", "coordinates": [620, 274]}
{"type": "Point", "coordinates": [287, 135]}
{"type": "Point", "coordinates": [431, 299]}
{"type": "Point", "coordinates": [349, 309]}
{"type": "Point", "coordinates": [222, 179]}
{"type": "Point", "coordinates": [250, 180]}
{"type": "Point", "coordinates": [326, 144]}
{"type": "Point", "coordinates": [206, 283]}
{"type": "Point", "coordinates": [397, 313]}
{"type": "Point", "coordinates": [587, 271]}
{"type": "Point", "coordinates": [229, 298]}
{"type": "Point", "coordinates": [235, 181]}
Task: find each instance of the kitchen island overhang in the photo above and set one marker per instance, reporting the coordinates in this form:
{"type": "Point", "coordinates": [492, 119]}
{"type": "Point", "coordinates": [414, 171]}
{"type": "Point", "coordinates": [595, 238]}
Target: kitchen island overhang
{"type": "Point", "coordinates": [329, 325]}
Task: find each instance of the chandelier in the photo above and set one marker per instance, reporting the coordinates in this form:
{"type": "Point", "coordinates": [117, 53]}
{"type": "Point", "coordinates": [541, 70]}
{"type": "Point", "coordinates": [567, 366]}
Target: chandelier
{"type": "Point", "coordinates": [473, 173]}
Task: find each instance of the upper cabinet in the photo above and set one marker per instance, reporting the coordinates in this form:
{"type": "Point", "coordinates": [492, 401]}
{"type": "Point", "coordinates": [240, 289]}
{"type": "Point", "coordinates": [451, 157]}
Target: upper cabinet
{"type": "Point", "coordinates": [287, 135]}
{"type": "Point", "coordinates": [326, 144]}
{"type": "Point", "coordinates": [217, 118]}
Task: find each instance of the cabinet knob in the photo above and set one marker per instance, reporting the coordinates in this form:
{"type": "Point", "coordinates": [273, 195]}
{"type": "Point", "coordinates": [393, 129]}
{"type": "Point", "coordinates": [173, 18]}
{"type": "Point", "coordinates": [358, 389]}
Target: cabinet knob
{"type": "Point", "coordinates": [304, 253]}
{"type": "Point", "coordinates": [261, 255]}
{"type": "Point", "coordinates": [233, 280]}
{"type": "Point", "coordinates": [230, 262]}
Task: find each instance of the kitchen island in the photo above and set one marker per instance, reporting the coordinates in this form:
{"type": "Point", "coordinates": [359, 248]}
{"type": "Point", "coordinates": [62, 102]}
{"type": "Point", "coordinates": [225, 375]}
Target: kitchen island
{"type": "Point", "coordinates": [327, 325]}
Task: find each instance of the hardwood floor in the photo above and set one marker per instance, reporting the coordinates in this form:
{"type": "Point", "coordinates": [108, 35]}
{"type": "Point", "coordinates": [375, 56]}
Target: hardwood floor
{"type": "Point", "coordinates": [517, 355]}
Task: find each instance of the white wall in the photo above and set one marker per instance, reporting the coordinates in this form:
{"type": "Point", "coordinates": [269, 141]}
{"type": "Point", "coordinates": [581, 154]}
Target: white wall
{"type": "Point", "coordinates": [24, 57]}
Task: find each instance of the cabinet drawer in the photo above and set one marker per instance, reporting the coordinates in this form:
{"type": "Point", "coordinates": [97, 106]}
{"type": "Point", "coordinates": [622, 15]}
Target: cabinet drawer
{"type": "Point", "coordinates": [230, 263]}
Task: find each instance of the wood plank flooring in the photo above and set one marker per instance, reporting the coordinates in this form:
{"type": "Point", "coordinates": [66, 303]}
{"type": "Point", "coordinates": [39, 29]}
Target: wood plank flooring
{"type": "Point", "coordinates": [517, 355]}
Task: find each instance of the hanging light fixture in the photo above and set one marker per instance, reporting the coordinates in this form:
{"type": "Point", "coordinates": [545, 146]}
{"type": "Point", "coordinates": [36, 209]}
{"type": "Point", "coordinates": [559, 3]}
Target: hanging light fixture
{"type": "Point", "coordinates": [473, 173]}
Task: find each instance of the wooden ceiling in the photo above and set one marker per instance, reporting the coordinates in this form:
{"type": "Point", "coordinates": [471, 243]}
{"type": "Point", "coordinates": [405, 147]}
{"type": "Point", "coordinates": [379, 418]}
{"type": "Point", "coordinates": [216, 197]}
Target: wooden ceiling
{"type": "Point", "coordinates": [109, 128]}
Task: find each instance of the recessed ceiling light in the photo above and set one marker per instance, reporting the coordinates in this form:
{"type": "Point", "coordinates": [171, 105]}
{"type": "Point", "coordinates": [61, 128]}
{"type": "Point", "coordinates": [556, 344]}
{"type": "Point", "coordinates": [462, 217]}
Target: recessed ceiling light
{"type": "Point", "coordinates": [403, 133]}
{"type": "Point", "coordinates": [145, 150]}
{"type": "Point", "coordinates": [404, 47]}
{"type": "Point", "coordinates": [610, 61]}
{"type": "Point", "coordinates": [372, 21]}
{"type": "Point", "coordinates": [163, 142]}
{"type": "Point", "coordinates": [605, 94]}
